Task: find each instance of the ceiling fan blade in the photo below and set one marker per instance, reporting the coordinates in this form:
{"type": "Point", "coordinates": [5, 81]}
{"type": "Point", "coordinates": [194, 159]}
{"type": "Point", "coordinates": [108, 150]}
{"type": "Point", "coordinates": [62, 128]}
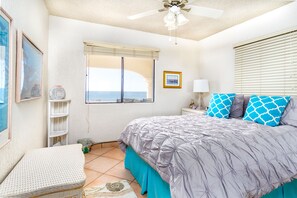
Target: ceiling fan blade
{"type": "Point", "coordinates": [143, 14]}
{"type": "Point", "coordinates": [184, 2]}
{"type": "Point", "coordinates": [191, 1]}
{"type": "Point", "coordinates": [182, 5]}
{"type": "Point", "coordinates": [186, 9]}
{"type": "Point", "coordinates": [164, 9]}
{"type": "Point", "coordinates": [206, 12]}
{"type": "Point", "coordinates": [167, 5]}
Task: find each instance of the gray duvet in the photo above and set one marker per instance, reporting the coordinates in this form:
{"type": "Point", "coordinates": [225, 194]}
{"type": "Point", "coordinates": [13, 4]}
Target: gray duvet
{"type": "Point", "coordinates": [201, 156]}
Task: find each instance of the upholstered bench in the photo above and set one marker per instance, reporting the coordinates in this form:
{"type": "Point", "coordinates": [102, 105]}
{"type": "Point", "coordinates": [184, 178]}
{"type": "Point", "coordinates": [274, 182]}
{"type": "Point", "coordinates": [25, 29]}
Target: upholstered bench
{"type": "Point", "coordinates": [47, 172]}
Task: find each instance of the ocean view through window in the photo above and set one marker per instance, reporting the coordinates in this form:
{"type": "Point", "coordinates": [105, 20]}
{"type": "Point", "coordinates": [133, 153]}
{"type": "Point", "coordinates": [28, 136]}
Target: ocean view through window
{"type": "Point", "coordinates": [114, 79]}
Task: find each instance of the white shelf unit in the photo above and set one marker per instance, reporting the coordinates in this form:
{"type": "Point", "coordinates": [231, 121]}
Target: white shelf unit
{"type": "Point", "coordinates": [58, 122]}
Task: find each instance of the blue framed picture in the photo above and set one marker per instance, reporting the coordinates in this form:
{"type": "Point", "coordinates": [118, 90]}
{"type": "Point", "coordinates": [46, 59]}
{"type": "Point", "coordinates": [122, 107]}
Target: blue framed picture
{"type": "Point", "coordinates": [5, 76]}
{"type": "Point", "coordinates": [29, 69]}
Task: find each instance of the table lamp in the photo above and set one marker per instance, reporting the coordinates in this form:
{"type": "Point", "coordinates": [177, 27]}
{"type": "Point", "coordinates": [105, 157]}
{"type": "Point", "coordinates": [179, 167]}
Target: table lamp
{"type": "Point", "coordinates": [200, 86]}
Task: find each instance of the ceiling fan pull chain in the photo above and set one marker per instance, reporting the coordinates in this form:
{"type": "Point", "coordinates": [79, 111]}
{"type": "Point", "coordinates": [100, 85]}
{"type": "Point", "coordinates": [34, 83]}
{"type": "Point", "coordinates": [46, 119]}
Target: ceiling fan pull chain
{"type": "Point", "coordinates": [170, 35]}
{"type": "Point", "coordinates": [175, 37]}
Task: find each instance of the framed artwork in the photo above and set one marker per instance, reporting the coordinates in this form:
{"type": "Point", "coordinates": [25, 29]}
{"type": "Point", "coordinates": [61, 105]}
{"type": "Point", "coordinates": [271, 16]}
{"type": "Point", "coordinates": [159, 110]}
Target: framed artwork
{"type": "Point", "coordinates": [172, 79]}
{"type": "Point", "coordinates": [5, 77]}
{"type": "Point", "coordinates": [29, 69]}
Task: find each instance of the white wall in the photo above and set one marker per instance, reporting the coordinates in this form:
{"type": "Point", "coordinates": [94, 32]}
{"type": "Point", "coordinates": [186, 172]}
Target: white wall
{"type": "Point", "coordinates": [106, 121]}
{"type": "Point", "coordinates": [216, 54]}
{"type": "Point", "coordinates": [28, 118]}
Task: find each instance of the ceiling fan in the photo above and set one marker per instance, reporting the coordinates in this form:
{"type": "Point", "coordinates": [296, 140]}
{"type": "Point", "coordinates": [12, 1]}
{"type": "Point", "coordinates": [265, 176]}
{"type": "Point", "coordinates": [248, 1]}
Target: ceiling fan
{"type": "Point", "coordinates": [175, 18]}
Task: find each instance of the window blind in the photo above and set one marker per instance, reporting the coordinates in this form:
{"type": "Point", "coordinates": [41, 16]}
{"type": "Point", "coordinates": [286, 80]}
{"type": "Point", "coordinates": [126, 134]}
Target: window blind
{"type": "Point", "coordinates": [91, 48]}
{"type": "Point", "coordinates": [267, 66]}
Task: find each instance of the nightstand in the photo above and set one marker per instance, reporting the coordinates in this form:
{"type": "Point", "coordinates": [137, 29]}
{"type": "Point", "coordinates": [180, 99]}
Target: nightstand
{"type": "Point", "coordinates": [186, 111]}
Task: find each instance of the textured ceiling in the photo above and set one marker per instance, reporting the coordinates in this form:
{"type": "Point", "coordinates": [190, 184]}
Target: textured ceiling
{"type": "Point", "coordinates": [115, 12]}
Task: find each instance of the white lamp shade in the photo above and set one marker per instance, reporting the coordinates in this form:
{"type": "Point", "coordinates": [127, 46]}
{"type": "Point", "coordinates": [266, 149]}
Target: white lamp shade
{"type": "Point", "coordinates": [201, 86]}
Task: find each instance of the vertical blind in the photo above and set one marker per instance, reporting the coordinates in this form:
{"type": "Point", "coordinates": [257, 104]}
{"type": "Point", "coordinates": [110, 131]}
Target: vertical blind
{"type": "Point", "coordinates": [267, 66]}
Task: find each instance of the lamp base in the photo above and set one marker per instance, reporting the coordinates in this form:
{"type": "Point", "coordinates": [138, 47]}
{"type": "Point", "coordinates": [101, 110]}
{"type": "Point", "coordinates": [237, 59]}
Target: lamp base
{"type": "Point", "coordinates": [200, 102]}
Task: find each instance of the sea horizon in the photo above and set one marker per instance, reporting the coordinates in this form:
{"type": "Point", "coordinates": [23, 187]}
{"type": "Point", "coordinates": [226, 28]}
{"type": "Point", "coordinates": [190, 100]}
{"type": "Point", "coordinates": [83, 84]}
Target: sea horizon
{"type": "Point", "coordinates": [114, 96]}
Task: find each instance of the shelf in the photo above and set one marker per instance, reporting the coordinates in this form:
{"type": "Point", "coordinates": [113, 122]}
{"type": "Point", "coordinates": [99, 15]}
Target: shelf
{"type": "Point", "coordinates": [59, 115]}
{"type": "Point", "coordinates": [64, 100]}
{"type": "Point", "coordinates": [58, 122]}
{"type": "Point", "coordinates": [53, 134]}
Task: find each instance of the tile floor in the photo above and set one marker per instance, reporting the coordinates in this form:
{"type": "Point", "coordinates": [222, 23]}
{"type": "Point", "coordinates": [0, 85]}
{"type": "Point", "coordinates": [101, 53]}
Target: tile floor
{"type": "Point", "coordinates": [105, 164]}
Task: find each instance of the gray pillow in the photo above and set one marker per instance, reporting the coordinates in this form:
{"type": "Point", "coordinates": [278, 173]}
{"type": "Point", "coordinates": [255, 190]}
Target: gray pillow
{"type": "Point", "coordinates": [236, 110]}
{"type": "Point", "coordinates": [289, 116]}
{"type": "Point", "coordinates": [245, 103]}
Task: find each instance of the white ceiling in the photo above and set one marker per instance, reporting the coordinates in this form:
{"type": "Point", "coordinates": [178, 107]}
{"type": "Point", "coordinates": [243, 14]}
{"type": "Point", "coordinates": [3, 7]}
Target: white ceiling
{"type": "Point", "coordinates": [115, 12]}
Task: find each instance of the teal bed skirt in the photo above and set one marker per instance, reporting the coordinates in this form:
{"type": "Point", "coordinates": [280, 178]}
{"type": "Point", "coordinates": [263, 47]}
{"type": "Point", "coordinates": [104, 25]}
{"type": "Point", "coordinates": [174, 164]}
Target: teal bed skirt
{"type": "Point", "coordinates": [155, 187]}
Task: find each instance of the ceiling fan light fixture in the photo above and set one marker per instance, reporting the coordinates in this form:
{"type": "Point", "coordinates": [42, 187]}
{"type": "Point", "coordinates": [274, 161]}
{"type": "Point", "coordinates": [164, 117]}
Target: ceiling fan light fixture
{"type": "Point", "coordinates": [181, 19]}
{"type": "Point", "coordinates": [170, 18]}
{"type": "Point", "coordinates": [175, 9]}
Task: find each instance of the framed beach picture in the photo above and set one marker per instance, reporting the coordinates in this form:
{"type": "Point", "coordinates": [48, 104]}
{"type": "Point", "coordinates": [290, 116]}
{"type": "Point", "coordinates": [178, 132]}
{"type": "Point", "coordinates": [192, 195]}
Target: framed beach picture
{"type": "Point", "coordinates": [172, 79]}
{"type": "Point", "coordinates": [5, 77]}
{"type": "Point", "coordinates": [29, 69]}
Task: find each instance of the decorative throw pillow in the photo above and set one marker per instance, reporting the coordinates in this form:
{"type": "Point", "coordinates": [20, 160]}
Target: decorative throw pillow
{"type": "Point", "coordinates": [266, 110]}
{"type": "Point", "coordinates": [290, 114]}
{"type": "Point", "coordinates": [220, 104]}
{"type": "Point", "coordinates": [245, 103]}
{"type": "Point", "coordinates": [236, 110]}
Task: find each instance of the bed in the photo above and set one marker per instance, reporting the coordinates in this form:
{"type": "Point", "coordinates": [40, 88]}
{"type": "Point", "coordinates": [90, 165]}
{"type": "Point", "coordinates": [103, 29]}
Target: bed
{"type": "Point", "coordinates": [201, 156]}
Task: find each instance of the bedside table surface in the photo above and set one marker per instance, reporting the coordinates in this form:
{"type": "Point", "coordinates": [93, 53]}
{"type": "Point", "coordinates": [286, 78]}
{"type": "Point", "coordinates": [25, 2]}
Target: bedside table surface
{"type": "Point", "coordinates": [192, 111]}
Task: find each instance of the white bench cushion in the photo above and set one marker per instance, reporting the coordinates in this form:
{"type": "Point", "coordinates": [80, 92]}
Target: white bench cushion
{"type": "Point", "coordinates": [44, 171]}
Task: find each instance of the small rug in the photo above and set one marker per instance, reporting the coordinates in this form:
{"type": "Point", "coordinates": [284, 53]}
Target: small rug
{"type": "Point", "coordinates": [120, 189]}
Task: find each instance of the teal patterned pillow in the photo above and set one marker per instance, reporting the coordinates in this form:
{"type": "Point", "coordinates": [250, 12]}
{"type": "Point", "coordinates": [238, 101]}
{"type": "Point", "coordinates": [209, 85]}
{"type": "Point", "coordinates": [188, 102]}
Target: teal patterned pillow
{"type": "Point", "coordinates": [220, 105]}
{"type": "Point", "coordinates": [266, 110]}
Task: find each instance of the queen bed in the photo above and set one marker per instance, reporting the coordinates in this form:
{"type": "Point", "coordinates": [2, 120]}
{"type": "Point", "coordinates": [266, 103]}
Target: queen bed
{"type": "Point", "coordinates": [203, 156]}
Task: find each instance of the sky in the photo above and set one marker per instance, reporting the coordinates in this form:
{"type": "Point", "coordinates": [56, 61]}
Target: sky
{"type": "Point", "coordinates": [110, 80]}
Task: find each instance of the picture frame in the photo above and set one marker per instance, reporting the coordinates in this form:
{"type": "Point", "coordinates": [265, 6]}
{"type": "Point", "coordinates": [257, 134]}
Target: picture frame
{"type": "Point", "coordinates": [29, 69]}
{"type": "Point", "coordinates": [5, 77]}
{"type": "Point", "coordinates": [172, 79]}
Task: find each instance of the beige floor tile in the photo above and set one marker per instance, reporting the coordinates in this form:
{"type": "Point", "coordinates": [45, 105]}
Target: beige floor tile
{"type": "Point", "coordinates": [121, 172]}
{"type": "Point", "coordinates": [102, 180]}
{"type": "Point", "coordinates": [101, 164]}
{"type": "Point", "coordinates": [100, 151]}
{"type": "Point", "coordinates": [135, 181]}
{"type": "Point", "coordinates": [120, 165]}
{"type": "Point", "coordinates": [91, 176]}
{"type": "Point", "coordinates": [97, 146]}
{"type": "Point", "coordinates": [111, 144]}
{"type": "Point", "coordinates": [89, 157]}
{"type": "Point", "coordinates": [137, 190]}
{"type": "Point", "coordinates": [115, 154]}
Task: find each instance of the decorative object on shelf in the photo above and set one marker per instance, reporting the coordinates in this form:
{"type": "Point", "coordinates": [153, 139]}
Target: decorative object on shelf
{"type": "Point", "coordinates": [5, 77]}
{"type": "Point", "coordinates": [172, 79]}
{"type": "Point", "coordinates": [29, 69]}
{"type": "Point", "coordinates": [200, 86]}
{"type": "Point", "coordinates": [58, 122]}
{"type": "Point", "coordinates": [192, 105]}
{"type": "Point", "coordinates": [57, 93]}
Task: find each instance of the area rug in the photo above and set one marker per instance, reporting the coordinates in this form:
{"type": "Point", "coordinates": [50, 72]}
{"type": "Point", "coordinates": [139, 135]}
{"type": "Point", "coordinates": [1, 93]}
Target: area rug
{"type": "Point", "coordinates": [120, 189]}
